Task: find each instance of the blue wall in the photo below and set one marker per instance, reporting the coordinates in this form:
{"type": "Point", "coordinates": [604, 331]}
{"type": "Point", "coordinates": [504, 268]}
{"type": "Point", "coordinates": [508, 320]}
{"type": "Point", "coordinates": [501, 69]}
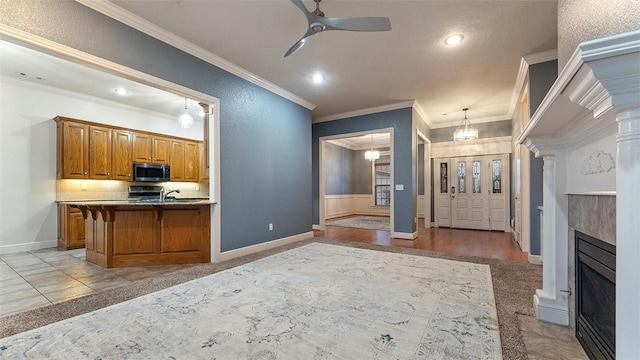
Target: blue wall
{"type": "Point", "coordinates": [401, 121]}
{"type": "Point", "coordinates": [264, 139]}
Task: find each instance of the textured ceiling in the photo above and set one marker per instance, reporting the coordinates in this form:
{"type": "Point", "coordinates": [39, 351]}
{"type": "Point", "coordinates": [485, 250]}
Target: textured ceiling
{"type": "Point", "coordinates": [365, 70]}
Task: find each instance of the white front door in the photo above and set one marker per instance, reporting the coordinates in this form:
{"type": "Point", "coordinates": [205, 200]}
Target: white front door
{"type": "Point", "coordinates": [470, 201]}
{"type": "Point", "coordinates": [472, 192]}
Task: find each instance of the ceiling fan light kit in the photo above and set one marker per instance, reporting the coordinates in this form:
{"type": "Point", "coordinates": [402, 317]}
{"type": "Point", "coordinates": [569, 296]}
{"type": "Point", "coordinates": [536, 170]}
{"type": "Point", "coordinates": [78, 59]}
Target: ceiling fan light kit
{"type": "Point", "coordinates": [318, 23]}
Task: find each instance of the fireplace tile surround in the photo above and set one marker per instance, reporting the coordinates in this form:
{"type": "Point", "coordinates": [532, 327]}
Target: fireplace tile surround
{"type": "Point", "coordinates": [594, 215]}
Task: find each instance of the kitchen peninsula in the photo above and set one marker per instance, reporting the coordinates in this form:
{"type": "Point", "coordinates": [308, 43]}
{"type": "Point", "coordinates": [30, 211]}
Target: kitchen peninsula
{"type": "Point", "coordinates": [122, 233]}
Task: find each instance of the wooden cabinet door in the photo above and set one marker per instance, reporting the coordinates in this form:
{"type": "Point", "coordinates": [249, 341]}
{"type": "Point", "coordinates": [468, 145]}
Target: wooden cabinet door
{"type": "Point", "coordinates": [204, 170]}
{"type": "Point", "coordinates": [191, 161]}
{"type": "Point", "coordinates": [76, 229]}
{"type": "Point", "coordinates": [160, 150]}
{"type": "Point", "coordinates": [176, 160]}
{"type": "Point", "coordinates": [142, 147]}
{"type": "Point", "coordinates": [100, 153]}
{"type": "Point", "coordinates": [73, 150]}
{"type": "Point", "coordinates": [121, 161]}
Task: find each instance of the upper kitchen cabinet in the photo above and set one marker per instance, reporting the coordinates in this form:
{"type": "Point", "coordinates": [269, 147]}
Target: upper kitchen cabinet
{"type": "Point", "coordinates": [148, 148]}
{"type": "Point", "coordinates": [191, 161]}
{"type": "Point", "coordinates": [177, 160]}
{"type": "Point", "coordinates": [121, 153]}
{"type": "Point", "coordinates": [99, 153]}
{"type": "Point", "coordinates": [73, 150]}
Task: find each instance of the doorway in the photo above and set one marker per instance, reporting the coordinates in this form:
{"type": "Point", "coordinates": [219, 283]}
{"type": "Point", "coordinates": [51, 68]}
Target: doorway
{"type": "Point", "coordinates": [471, 192]}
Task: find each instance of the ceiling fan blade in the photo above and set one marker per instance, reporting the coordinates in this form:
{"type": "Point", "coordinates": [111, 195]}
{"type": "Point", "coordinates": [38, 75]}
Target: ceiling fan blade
{"type": "Point", "coordinates": [299, 44]}
{"type": "Point", "coordinates": [358, 24]}
{"type": "Point", "coordinates": [301, 6]}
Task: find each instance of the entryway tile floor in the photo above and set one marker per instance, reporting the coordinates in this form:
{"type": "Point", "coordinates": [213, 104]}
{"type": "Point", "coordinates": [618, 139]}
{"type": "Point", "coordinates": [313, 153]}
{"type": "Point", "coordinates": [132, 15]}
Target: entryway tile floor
{"type": "Point", "coordinates": [33, 279]}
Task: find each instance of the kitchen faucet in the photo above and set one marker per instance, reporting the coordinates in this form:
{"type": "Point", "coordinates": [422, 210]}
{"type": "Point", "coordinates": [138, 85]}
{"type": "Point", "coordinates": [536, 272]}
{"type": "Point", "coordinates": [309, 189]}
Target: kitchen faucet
{"type": "Point", "coordinates": [163, 196]}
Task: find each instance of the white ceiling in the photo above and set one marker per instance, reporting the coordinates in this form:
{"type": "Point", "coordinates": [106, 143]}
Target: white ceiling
{"type": "Point", "coordinates": [373, 69]}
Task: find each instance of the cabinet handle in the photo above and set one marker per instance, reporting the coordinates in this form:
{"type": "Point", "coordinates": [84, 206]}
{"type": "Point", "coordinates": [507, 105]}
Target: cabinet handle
{"type": "Point", "coordinates": [128, 174]}
{"type": "Point", "coordinates": [85, 173]}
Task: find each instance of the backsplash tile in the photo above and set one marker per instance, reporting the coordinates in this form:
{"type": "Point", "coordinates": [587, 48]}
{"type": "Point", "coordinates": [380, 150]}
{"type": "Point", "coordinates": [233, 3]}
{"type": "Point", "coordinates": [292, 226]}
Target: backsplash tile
{"type": "Point", "coordinates": [71, 190]}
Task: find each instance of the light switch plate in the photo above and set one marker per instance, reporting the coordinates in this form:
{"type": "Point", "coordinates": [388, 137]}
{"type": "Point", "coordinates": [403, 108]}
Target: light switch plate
{"type": "Point", "coordinates": [400, 187]}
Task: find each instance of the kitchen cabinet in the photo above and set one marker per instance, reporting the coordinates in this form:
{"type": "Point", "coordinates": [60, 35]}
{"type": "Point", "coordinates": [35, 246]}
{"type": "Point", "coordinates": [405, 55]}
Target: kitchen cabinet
{"type": "Point", "coordinates": [203, 168]}
{"type": "Point", "coordinates": [99, 153]}
{"type": "Point", "coordinates": [73, 150]}
{"type": "Point", "coordinates": [149, 148]}
{"type": "Point", "coordinates": [71, 228]}
{"type": "Point", "coordinates": [176, 160]}
{"type": "Point", "coordinates": [89, 150]}
{"type": "Point", "coordinates": [191, 161]}
{"type": "Point", "coordinates": [121, 155]}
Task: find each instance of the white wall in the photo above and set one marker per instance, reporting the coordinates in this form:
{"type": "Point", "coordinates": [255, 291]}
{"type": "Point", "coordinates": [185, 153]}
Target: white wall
{"type": "Point", "coordinates": [28, 218]}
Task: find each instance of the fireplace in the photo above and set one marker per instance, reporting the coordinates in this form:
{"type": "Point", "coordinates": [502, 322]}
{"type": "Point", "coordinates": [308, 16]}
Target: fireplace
{"type": "Point", "coordinates": [595, 296]}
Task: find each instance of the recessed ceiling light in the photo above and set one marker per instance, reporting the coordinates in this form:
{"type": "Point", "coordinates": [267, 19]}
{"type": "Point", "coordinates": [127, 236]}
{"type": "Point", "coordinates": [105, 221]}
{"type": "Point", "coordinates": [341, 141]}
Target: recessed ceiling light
{"type": "Point", "coordinates": [121, 91]}
{"type": "Point", "coordinates": [317, 78]}
{"type": "Point", "coordinates": [454, 39]}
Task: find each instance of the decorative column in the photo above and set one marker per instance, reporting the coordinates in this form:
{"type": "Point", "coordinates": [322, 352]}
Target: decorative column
{"type": "Point", "coordinates": [551, 302]}
{"type": "Point", "coordinates": [627, 235]}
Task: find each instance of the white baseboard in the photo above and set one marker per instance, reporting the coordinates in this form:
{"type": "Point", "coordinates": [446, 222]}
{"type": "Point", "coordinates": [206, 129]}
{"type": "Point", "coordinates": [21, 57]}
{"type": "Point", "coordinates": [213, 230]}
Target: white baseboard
{"type": "Point", "coordinates": [315, 227]}
{"type": "Point", "coordinates": [535, 259]}
{"type": "Point", "coordinates": [403, 235]}
{"type": "Point", "coordinates": [548, 312]}
{"type": "Point", "coordinates": [16, 248]}
{"type": "Point", "coordinates": [231, 254]}
{"type": "Point", "coordinates": [433, 224]}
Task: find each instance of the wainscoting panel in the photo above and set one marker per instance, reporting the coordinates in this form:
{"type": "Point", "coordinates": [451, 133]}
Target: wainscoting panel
{"type": "Point", "coordinates": [352, 204]}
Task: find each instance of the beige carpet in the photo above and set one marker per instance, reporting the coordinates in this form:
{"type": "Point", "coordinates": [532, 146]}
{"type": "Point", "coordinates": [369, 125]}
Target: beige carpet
{"type": "Point", "coordinates": [513, 283]}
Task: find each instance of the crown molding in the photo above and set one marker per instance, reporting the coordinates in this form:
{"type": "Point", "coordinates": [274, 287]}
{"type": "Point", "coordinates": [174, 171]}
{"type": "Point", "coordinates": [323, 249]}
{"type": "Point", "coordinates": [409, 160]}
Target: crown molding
{"type": "Point", "coordinates": [541, 57]}
{"type": "Point", "coordinates": [423, 114]}
{"type": "Point", "coordinates": [367, 111]}
{"type": "Point", "coordinates": [72, 54]}
{"type": "Point", "coordinates": [117, 13]}
{"type": "Point", "coordinates": [600, 79]}
{"type": "Point", "coordinates": [523, 71]}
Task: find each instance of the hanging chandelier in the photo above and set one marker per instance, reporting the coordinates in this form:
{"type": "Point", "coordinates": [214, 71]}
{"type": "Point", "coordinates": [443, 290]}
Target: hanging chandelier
{"type": "Point", "coordinates": [185, 120]}
{"type": "Point", "coordinates": [372, 155]}
{"type": "Point", "coordinates": [465, 131]}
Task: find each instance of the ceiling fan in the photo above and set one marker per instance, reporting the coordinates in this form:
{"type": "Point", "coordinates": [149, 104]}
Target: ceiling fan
{"type": "Point", "coordinates": [318, 23]}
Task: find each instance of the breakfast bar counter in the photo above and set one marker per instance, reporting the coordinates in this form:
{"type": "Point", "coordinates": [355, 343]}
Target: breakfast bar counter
{"type": "Point", "coordinates": [121, 233]}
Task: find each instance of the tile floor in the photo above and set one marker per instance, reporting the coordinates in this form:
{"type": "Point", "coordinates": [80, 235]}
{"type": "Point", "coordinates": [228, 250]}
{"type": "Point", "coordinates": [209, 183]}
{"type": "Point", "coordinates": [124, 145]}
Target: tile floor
{"type": "Point", "coordinates": [29, 280]}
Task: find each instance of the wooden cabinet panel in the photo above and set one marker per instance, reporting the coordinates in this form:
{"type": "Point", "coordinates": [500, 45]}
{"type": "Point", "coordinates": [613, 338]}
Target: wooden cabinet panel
{"type": "Point", "coordinates": [142, 147]}
{"type": "Point", "coordinates": [73, 150]}
{"type": "Point", "coordinates": [181, 230]}
{"type": "Point", "coordinates": [71, 228]}
{"type": "Point", "coordinates": [121, 155]}
{"type": "Point", "coordinates": [161, 150]}
{"type": "Point", "coordinates": [134, 232]}
{"type": "Point", "coordinates": [203, 169]}
{"type": "Point", "coordinates": [191, 161]}
{"type": "Point", "coordinates": [176, 160]}
{"type": "Point", "coordinates": [100, 153]}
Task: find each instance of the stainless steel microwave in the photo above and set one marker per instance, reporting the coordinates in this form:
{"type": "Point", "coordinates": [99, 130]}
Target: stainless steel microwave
{"type": "Point", "coordinates": [151, 172]}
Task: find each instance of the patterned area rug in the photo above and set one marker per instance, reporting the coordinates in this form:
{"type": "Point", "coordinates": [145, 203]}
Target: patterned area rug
{"type": "Point", "coordinates": [362, 222]}
{"type": "Point", "coordinates": [317, 301]}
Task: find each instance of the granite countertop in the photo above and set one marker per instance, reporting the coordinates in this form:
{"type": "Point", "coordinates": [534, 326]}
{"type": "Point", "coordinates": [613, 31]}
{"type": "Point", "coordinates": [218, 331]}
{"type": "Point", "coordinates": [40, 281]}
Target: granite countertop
{"type": "Point", "coordinates": [183, 201]}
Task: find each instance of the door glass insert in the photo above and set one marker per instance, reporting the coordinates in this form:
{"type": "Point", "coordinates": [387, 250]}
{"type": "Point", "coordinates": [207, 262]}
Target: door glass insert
{"type": "Point", "coordinates": [476, 177]}
{"type": "Point", "coordinates": [444, 185]}
{"type": "Point", "coordinates": [462, 175]}
{"type": "Point", "coordinates": [496, 178]}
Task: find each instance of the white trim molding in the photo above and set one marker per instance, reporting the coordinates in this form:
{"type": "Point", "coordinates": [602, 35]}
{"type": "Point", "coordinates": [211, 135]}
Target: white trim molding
{"type": "Point", "coordinates": [367, 111]}
{"type": "Point", "coordinates": [119, 14]}
{"type": "Point", "coordinates": [535, 259]}
{"type": "Point", "coordinates": [599, 87]}
{"type": "Point", "coordinates": [523, 71]}
{"type": "Point", "coordinates": [232, 254]}
{"type": "Point", "coordinates": [37, 245]}
{"type": "Point", "coordinates": [404, 235]}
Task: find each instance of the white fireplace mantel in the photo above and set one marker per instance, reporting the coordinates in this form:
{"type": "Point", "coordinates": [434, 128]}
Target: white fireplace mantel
{"type": "Point", "coordinates": [597, 89]}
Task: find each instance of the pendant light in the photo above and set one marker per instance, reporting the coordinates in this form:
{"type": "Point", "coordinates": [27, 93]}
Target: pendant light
{"type": "Point", "coordinates": [372, 155]}
{"type": "Point", "coordinates": [185, 120]}
{"type": "Point", "coordinates": [465, 131]}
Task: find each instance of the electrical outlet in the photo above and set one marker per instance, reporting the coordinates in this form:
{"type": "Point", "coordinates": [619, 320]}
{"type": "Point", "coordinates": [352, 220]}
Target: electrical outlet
{"type": "Point", "coordinates": [270, 227]}
{"type": "Point", "coordinates": [83, 187]}
{"type": "Point", "coordinates": [197, 188]}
